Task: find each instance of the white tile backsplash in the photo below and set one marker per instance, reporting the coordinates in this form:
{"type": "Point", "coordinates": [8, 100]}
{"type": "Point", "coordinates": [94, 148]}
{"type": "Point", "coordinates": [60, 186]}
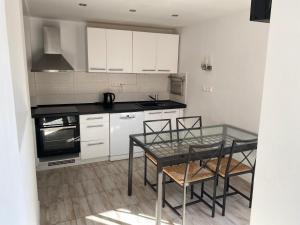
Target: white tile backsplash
{"type": "Point", "coordinates": [83, 87]}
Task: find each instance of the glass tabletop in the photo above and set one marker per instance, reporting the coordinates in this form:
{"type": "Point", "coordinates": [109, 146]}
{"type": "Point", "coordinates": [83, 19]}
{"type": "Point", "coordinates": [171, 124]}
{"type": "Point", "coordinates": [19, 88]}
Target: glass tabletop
{"type": "Point", "coordinates": [176, 142]}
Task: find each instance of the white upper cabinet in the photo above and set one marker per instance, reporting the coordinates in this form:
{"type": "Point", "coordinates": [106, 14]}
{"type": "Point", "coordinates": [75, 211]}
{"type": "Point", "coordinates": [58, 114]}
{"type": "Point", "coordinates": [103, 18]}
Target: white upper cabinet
{"type": "Point", "coordinates": [144, 52]}
{"type": "Point", "coordinates": [96, 44]}
{"type": "Point", "coordinates": [119, 51]}
{"type": "Point", "coordinates": [122, 51]}
{"type": "Point", "coordinates": [167, 53]}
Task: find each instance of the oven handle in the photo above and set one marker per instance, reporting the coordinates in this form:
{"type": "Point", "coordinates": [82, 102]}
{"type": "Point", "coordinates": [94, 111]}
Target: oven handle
{"type": "Point", "coordinates": [58, 128]}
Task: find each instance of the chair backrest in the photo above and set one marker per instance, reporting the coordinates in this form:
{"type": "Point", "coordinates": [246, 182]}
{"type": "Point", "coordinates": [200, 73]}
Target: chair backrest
{"type": "Point", "coordinates": [205, 153]}
{"type": "Point", "coordinates": [190, 122]}
{"type": "Point", "coordinates": [192, 126]}
{"type": "Point", "coordinates": [156, 131]}
{"type": "Point", "coordinates": [242, 156]}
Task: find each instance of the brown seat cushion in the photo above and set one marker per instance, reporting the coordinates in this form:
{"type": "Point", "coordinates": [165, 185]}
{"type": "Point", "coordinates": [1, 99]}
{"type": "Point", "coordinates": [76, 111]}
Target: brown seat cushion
{"type": "Point", "coordinates": [233, 169]}
{"type": "Point", "coordinates": [151, 158]}
{"type": "Point", "coordinates": [177, 173]}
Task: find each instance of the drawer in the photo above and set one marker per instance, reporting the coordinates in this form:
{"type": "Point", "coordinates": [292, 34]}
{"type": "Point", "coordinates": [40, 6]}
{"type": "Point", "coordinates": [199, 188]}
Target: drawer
{"type": "Point", "coordinates": [94, 131]}
{"type": "Point", "coordinates": [153, 114]}
{"type": "Point", "coordinates": [94, 118]}
{"type": "Point", "coordinates": [94, 149]}
{"type": "Point", "coordinates": [171, 112]}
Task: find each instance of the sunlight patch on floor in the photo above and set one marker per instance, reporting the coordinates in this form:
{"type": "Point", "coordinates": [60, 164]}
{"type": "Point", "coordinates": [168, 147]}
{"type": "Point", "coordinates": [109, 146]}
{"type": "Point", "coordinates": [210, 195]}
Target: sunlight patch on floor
{"type": "Point", "coordinates": [125, 216]}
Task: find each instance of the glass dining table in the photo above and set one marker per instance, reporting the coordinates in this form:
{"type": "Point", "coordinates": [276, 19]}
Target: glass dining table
{"type": "Point", "coordinates": [172, 147]}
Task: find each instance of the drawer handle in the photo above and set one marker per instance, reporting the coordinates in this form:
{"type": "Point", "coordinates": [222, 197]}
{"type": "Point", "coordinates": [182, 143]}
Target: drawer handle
{"type": "Point", "coordinates": [92, 126]}
{"type": "Point", "coordinates": [93, 144]}
{"type": "Point", "coordinates": [170, 112]}
{"type": "Point", "coordinates": [155, 113]}
{"type": "Point", "coordinates": [164, 70]}
{"type": "Point", "coordinates": [115, 69]}
{"type": "Point", "coordinates": [95, 68]}
{"type": "Point", "coordinates": [94, 118]}
{"type": "Point", "coordinates": [127, 117]}
{"type": "Point", "coordinates": [147, 70]}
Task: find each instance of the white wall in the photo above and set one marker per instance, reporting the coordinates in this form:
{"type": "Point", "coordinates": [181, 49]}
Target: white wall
{"type": "Point", "coordinates": [237, 48]}
{"type": "Point", "coordinates": [18, 196]}
{"type": "Point", "coordinates": [277, 185]}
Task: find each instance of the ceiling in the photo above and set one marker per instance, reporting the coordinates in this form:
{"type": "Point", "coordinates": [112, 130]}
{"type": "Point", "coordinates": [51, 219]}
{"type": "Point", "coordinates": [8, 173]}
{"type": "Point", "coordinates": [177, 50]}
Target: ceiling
{"type": "Point", "coordinates": [148, 12]}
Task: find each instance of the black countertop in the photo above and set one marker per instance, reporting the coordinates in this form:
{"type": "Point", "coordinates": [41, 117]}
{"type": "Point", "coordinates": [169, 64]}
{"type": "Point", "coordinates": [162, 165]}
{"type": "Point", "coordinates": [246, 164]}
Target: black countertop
{"type": "Point", "coordinates": [95, 108]}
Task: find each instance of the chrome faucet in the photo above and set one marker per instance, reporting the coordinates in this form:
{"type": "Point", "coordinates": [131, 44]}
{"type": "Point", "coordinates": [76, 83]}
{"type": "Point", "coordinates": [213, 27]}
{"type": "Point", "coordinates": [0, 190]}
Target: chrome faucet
{"type": "Point", "coordinates": [155, 98]}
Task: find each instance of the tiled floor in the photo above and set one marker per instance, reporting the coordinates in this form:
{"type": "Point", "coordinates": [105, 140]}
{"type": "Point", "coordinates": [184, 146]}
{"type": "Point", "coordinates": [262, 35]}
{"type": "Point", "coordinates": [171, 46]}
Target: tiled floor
{"type": "Point", "coordinates": [96, 193]}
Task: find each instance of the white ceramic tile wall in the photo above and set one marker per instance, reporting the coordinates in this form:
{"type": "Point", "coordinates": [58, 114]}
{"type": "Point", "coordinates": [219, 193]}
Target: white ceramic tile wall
{"type": "Point", "coordinates": [82, 87]}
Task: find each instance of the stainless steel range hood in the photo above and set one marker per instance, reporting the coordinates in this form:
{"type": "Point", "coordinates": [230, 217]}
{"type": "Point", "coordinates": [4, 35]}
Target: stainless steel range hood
{"type": "Point", "coordinates": [52, 60]}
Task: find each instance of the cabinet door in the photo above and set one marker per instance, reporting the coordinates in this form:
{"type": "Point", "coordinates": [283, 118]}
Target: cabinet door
{"type": "Point", "coordinates": [167, 53]}
{"type": "Point", "coordinates": [91, 132]}
{"type": "Point", "coordinates": [171, 114]}
{"type": "Point", "coordinates": [96, 44]}
{"type": "Point", "coordinates": [94, 149]}
{"type": "Point", "coordinates": [144, 52]}
{"type": "Point", "coordinates": [154, 115]}
{"type": "Point", "coordinates": [119, 51]}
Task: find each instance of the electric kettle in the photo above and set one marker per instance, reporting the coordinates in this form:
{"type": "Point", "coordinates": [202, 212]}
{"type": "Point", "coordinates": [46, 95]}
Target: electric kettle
{"type": "Point", "coordinates": [108, 98]}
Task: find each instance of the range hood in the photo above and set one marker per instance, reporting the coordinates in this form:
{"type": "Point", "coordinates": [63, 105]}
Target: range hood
{"type": "Point", "coordinates": [52, 60]}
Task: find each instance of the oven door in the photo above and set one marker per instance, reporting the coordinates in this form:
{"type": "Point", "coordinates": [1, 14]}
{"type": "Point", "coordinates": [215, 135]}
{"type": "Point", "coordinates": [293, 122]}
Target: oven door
{"type": "Point", "coordinates": [58, 140]}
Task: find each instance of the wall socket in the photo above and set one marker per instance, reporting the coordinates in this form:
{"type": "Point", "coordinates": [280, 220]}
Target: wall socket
{"type": "Point", "coordinates": [207, 89]}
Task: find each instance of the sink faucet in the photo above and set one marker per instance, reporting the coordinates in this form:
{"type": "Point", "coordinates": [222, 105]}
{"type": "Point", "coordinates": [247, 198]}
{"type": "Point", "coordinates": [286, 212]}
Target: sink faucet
{"type": "Point", "coordinates": [155, 98]}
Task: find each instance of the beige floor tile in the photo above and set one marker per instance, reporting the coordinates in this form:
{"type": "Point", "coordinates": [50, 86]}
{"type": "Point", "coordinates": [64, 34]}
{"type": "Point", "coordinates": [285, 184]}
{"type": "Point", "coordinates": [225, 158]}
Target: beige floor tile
{"type": "Point", "coordinates": [60, 211]}
{"type": "Point", "coordinates": [76, 190]}
{"type": "Point", "coordinates": [81, 207]}
{"type": "Point", "coordinates": [91, 186]}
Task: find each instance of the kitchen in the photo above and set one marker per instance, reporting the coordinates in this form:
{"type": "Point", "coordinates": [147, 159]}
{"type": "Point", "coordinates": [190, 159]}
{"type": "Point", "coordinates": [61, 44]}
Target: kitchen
{"type": "Point", "coordinates": [143, 112]}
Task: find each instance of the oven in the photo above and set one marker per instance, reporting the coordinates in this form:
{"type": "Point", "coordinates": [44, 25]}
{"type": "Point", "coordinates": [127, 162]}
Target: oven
{"type": "Point", "coordinates": [57, 135]}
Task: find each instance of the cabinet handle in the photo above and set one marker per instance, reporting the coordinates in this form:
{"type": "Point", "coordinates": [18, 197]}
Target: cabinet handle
{"type": "Point", "coordinates": [147, 70]}
{"type": "Point", "coordinates": [164, 70]}
{"type": "Point", "coordinates": [170, 112]}
{"type": "Point", "coordinates": [92, 126]}
{"type": "Point", "coordinates": [115, 69]}
{"type": "Point", "coordinates": [94, 118]}
{"type": "Point", "coordinates": [98, 143]}
{"type": "Point", "coordinates": [154, 113]}
{"type": "Point", "coordinates": [95, 68]}
{"type": "Point", "coordinates": [127, 117]}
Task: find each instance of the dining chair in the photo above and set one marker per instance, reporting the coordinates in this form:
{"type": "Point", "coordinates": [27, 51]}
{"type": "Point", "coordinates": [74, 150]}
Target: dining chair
{"type": "Point", "coordinates": [190, 173]}
{"type": "Point", "coordinates": [192, 124]}
{"type": "Point", "coordinates": [237, 163]}
{"type": "Point", "coordinates": [155, 132]}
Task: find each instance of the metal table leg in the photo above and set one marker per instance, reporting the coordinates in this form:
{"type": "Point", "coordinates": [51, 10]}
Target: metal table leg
{"type": "Point", "coordinates": [130, 166]}
{"type": "Point", "coordinates": [159, 196]}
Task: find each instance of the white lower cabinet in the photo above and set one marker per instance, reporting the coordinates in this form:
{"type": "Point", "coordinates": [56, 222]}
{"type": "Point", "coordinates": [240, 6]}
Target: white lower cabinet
{"type": "Point", "coordinates": [164, 114]}
{"type": "Point", "coordinates": [94, 149]}
{"type": "Point", "coordinates": [97, 131]}
{"type": "Point", "coordinates": [94, 136]}
{"type": "Point", "coordinates": [107, 135]}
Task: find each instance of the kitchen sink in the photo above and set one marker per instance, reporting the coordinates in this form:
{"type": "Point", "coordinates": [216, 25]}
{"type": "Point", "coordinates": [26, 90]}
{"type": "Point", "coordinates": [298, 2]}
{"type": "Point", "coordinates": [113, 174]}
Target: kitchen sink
{"type": "Point", "coordinates": [152, 104]}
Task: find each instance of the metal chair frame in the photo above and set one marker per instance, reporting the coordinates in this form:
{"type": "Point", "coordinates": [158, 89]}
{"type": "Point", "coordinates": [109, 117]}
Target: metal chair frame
{"type": "Point", "coordinates": [228, 174]}
{"type": "Point", "coordinates": [193, 156]}
{"type": "Point", "coordinates": [180, 122]}
{"type": "Point", "coordinates": [146, 124]}
{"type": "Point", "coordinates": [196, 125]}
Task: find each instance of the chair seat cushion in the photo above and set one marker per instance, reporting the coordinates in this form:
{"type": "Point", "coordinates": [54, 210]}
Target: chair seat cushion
{"type": "Point", "coordinates": [233, 169]}
{"type": "Point", "coordinates": [151, 158]}
{"type": "Point", "coordinates": [177, 173]}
